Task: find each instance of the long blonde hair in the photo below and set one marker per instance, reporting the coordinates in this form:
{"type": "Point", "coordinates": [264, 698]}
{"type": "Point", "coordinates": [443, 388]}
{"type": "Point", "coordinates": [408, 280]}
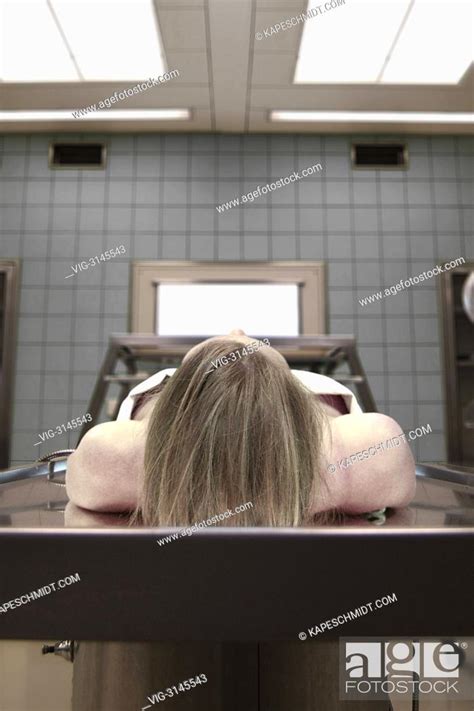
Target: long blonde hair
{"type": "Point", "coordinates": [248, 431]}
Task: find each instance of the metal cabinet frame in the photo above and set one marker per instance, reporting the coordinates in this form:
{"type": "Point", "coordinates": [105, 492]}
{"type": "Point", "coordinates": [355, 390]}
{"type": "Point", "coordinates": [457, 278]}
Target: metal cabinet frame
{"type": "Point", "coordinates": [10, 268]}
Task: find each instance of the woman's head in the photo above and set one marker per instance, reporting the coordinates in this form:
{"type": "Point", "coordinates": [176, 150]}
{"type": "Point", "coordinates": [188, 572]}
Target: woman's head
{"type": "Point", "coordinates": [227, 430]}
{"type": "Point", "coordinates": [238, 335]}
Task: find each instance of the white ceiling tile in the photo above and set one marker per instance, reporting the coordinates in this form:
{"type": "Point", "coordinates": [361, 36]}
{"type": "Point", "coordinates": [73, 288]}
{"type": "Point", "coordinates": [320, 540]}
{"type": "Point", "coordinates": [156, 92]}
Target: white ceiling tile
{"type": "Point", "coordinates": [273, 70]}
{"type": "Point", "coordinates": [288, 39]}
{"type": "Point", "coordinates": [183, 29]}
{"type": "Point", "coordinates": [192, 66]}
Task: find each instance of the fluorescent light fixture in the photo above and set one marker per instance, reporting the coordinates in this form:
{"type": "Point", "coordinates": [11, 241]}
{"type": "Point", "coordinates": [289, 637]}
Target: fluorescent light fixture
{"type": "Point", "coordinates": [111, 115]}
{"type": "Point", "coordinates": [372, 116]}
{"type": "Point", "coordinates": [389, 41]}
{"type": "Point", "coordinates": [72, 40]}
{"type": "Point", "coordinates": [436, 46]}
{"type": "Point", "coordinates": [204, 309]}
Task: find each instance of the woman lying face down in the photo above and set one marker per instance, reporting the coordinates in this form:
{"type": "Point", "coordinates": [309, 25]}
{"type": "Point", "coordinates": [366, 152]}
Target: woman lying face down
{"type": "Point", "coordinates": [233, 424]}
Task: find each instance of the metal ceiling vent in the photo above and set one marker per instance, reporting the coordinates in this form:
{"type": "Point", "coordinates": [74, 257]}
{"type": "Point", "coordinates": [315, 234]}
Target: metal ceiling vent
{"type": "Point", "coordinates": [77, 155]}
{"type": "Point", "coordinates": [384, 156]}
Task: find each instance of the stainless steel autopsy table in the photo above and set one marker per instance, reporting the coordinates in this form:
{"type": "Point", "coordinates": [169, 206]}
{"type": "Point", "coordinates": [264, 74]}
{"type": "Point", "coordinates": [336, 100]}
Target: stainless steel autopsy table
{"type": "Point", "coordinates": [236, 583]}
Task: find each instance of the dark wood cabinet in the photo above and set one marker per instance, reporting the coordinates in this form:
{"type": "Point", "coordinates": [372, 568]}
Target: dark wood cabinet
{"type": "Point", "coordinates": [270, 676]}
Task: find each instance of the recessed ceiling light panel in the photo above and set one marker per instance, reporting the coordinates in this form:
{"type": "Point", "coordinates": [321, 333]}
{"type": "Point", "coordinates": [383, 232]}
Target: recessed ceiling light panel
{"type": "Point", "coordinates": [32, 48]}
{"type": "Point", "coordinates": [436, 45]}
{"type": "Point", "coordinates": [388, 41]}
{"type": "Point", "coordinates": [74, 40]}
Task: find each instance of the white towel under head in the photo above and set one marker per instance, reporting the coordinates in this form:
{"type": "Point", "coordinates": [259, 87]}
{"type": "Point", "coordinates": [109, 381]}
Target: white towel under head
{"type": "Point", "coordinates": [319, 384]}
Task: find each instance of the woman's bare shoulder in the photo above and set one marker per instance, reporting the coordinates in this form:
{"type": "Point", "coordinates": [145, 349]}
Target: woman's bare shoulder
{"type": "Point", "coordinates": [370, 464]}
{"type": "Point", "coordinates": [103, 472]}
{"type": "Point", "coordinates": [360, 428]}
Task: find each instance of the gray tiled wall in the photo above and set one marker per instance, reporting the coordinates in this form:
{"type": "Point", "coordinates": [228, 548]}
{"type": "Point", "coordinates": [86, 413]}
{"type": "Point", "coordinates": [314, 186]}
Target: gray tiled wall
{"type": "Point", "coordinates": [157, 197]}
